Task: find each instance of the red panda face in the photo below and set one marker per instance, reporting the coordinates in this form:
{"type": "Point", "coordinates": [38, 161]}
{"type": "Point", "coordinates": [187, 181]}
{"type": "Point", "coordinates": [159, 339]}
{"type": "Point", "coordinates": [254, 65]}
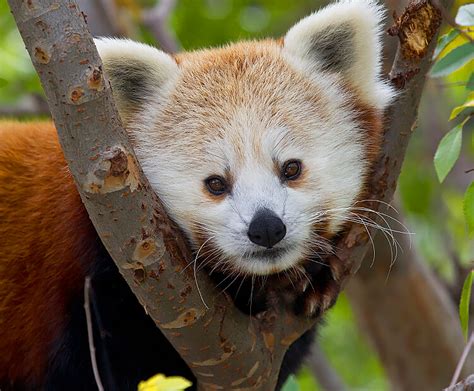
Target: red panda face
{"type": "Point", "coordinates": [258, 150]}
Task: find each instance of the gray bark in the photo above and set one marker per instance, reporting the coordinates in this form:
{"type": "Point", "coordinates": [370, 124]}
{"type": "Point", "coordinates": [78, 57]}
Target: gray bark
{"type": "Point", "coordinates": [224, 348]}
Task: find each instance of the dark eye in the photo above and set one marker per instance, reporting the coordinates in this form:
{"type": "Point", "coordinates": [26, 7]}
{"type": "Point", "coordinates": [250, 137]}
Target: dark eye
{"type": "Point", "coordinates": [216, 185]}
{"type": "Point", "coordinates": [291, 170]}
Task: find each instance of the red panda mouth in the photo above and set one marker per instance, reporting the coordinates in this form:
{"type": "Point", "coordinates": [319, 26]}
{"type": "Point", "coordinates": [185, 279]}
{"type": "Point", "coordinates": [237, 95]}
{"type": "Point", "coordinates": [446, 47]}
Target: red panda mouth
{"type": "Point", "coordinates": [269, 254]}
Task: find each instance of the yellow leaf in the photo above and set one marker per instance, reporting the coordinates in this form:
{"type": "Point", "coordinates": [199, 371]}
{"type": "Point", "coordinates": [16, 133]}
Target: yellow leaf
{"type": "Point", "coordinates": [468, 103]}
{"type": "Point", "coordinates": [162, 383]}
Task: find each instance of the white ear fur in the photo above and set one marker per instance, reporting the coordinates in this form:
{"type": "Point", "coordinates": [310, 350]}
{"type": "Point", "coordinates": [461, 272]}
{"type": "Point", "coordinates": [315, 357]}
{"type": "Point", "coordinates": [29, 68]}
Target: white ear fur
{"type": "Point", "coordinates": [137, 72]}
{"type": "Point", "coordinates": [344, 37]}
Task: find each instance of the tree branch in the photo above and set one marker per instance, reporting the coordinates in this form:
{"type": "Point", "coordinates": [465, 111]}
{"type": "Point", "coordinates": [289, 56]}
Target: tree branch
{"type": "Point", "coordinates": [462, 360]}
{"type": "Point", "coordinates": [465, 385]}
{"type": "Point", "coordinates": [238, 350]}
{"type": "Point", "coordinates": [407, 315]}
{"type": "Point", "coordinates": [102, 18]}
{"type": "Point", "coordinates": [323, 372]}
{"type": "Point", "coordinates": [30, 105]}
{"type": "Point", "coordinates": [156, 19]}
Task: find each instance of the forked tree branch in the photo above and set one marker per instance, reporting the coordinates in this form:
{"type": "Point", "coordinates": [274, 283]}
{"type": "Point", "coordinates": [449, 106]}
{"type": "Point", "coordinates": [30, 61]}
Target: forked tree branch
{"type": "Point", "coordinates": [157, 19]}
{"type": "Point", "coordinates": [225, 348]}
{"type": "Point", "coordinates": [465, 385]}
{"type": "Point", "coordinates": [462, 360]}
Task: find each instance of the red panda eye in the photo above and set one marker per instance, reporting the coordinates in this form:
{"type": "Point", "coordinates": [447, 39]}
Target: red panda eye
{"type": "Point", "coordinates": [216, 185]}
{"type": "Point", "coordinates": [291, 170]}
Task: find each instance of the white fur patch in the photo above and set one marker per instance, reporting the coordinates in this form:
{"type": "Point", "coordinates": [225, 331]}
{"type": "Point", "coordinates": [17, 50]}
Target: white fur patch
{"type": "Point", "coordinates": [331, 150]}
{"type": "Point", "coordinates": [160, 64]}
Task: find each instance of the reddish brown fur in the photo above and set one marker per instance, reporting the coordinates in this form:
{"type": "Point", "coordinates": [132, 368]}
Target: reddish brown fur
{"type": "Point", "coordinates": [370, 119]}
{"type": "Point", "coordinates": [43, 229]}
{"type": "Point", "coordinates": [372, 122]}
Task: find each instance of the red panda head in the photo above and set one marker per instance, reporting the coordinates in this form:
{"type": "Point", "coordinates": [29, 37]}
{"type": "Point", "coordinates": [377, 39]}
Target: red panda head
{"type": "Point", "coordinates": [259, 150]}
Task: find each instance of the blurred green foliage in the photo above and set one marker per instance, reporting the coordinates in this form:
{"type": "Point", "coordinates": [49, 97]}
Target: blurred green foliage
{"type": "Point", "coordinates": [17, 76]}
{"type": "Point", "coordinates": [456, 49]}
{"type": "Point", "coordinates": [432, 210]}
{"type": "Point", "coordinates": [203, 23]}
{"type": "Point", "coordinates": [465, 303]}
{"type": "Point", "coordinates": [348, 352]}
{"type": "Point", "coordinates": [440, 213]}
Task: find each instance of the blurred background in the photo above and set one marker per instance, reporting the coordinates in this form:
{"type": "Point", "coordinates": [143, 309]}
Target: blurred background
{"type": "Point", "coordinates": [397, 324]}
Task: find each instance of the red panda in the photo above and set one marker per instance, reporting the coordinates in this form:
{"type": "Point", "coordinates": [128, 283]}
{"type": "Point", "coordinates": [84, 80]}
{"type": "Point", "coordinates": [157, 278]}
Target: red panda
{"type": "Point", "coordinates": [44, 234]}
{"type": "Point", "coordinates": [258, 151]}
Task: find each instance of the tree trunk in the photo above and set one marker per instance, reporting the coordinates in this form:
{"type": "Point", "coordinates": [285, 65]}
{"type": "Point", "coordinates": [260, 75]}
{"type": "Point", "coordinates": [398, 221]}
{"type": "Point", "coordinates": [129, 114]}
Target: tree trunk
{"type": "Point", "coordinates": [408, 317]}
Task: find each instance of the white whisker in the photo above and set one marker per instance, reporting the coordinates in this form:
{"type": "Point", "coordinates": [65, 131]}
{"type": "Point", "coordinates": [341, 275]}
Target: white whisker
{"type": "Point", "coordinates": [197, 254]}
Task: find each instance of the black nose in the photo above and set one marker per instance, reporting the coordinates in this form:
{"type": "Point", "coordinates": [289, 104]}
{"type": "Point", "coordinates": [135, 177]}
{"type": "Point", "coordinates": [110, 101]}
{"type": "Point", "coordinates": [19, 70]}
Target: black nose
{"type": "Point", "coordinates": [266, 228]}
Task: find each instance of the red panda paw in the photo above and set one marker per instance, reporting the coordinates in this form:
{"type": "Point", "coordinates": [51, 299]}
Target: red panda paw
{"type": "Point", "coordinates": [316, 292]}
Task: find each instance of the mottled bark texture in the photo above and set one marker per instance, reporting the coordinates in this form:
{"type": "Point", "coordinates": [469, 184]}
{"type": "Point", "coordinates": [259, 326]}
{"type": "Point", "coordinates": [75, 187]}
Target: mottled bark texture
{"type": "Point", "coordinates": [225, 348]}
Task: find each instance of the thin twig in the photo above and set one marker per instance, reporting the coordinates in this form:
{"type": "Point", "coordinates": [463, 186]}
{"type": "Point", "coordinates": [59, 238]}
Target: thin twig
{"type": "Point", "coordinates": [109, 10]}
{"type": "Point", "coordinates": [156, 19]}
{"type": "Point", "coordinates": [465, 385]}
{"type": "Point", "coordinates": [462, 360]}
{"type": "Point", "coordinates": [323, 371]}
{"type": "Point", "coordinates": [453, 84]}
{"type": "Point", "coordinates": [90, 335]}
{"type": "Point", "coordinates": [29, 105]}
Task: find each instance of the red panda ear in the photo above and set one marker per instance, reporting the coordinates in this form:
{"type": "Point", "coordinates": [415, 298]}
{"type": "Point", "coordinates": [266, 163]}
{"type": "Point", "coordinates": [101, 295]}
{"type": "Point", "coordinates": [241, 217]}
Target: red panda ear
{"type": "Point", "coordinates": [343, 38]}
{"type": "Point", "coordinates": [137, 72]}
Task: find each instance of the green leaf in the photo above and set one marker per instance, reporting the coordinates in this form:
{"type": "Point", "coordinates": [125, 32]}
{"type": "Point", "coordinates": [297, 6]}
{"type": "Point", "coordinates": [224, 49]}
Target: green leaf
{"type": "Point", "coordinates": [458, 110]}
{"type": "Point", "coordinates": [454, 60]}
{"type": "Point", "coordinates": [448, 152]}
{"type": "Point", "coordinates": [464, 303]}
{"type": "Point", "coordinates": [444, 41]}
{"type": "Point", "coordinates": [470, 82]}
{"type": "Point", "coordinates": [465, 16]}
{"type": "Point", "coordinates": [469, 208]}
{"type": "Point", "coordinates": [3, 82]}
{"type": "Point", "coordinates": [291, 384]}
